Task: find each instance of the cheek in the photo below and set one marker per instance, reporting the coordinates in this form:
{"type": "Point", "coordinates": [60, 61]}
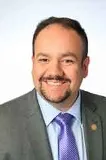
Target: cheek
{"type": "Point", "coordinates": [73, 73]}
{"type": "Point", "coordinates": [37, 72]}
{"type": "Point", "coordinates": [36, 75]}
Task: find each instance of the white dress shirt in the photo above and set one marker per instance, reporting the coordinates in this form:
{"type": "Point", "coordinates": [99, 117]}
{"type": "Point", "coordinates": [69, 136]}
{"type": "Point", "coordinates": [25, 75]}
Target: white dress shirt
{"type": "Point", "coordinates": [49, 113]}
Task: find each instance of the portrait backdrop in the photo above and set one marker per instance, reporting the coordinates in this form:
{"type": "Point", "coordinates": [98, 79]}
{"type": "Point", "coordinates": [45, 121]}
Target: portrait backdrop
{"type": "Point", "coordinates": [18, 20]}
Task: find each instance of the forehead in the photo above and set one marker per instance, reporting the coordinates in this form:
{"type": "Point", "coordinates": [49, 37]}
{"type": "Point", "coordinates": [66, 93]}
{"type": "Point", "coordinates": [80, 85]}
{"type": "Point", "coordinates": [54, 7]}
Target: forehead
{"type": "Point", "coordinates": [57, 29]}
{"type": "Point", "coordinates": [56, 38]}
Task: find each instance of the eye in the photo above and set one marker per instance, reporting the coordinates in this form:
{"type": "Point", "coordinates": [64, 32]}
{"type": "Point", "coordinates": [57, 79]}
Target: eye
{"type": "Point", "coordinates": [43, 60]}
{"type": "Point", "coordinates": [67, 61]}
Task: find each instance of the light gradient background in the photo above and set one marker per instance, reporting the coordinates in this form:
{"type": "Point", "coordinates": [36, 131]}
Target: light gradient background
{"type": "Point", "coordinates": [18, 20]}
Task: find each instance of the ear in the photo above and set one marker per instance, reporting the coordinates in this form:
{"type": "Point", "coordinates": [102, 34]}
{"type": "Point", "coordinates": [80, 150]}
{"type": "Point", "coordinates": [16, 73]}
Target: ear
{"type": "Point", "coordinates": [32, 59]}
{"type": "Point", "coordinates": [85, 66]}
{"type": "Point", "coordinates": [32, 64]}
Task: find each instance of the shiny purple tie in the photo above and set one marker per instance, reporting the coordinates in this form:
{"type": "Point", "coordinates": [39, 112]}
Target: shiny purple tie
{"type": "Point", "coordinates": [66, 140]}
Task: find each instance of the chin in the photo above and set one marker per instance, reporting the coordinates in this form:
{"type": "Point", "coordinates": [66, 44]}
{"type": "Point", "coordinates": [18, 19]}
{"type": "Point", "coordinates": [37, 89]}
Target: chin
{"type": "Point", "coordinates": [56, 99]}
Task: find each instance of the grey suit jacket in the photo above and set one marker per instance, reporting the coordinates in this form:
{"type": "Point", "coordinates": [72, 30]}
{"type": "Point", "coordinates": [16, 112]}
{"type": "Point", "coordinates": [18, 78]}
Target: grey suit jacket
{"type": "Point", "coordinates": [23, 134]}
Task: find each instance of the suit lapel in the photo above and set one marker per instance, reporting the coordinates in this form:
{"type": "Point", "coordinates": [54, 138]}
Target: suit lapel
{"type": "Point", "coordinates": [38, 135]}
{"type": "Point", "coordinates": [37, 131]}
{"type": "Point", "coordinates": [92, 128]}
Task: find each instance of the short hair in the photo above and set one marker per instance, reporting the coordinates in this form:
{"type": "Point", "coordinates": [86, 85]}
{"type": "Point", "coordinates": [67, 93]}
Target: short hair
{"type": "Point", "coordinates": [66, 23]}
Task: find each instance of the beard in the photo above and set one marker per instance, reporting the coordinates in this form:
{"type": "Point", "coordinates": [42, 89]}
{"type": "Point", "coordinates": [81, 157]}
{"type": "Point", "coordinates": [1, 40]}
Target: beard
{"type": "Point", "coordinates": [57, 99]}
{"type": "Point", "coordinates": [50, 95]}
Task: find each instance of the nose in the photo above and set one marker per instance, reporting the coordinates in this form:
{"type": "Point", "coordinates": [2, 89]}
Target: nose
{"type": "Point", "coordinates": [55, 69]}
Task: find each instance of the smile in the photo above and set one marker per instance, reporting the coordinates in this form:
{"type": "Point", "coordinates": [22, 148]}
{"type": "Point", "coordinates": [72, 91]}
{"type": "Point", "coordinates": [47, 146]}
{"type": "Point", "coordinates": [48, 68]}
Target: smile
{"type": "Point", "coordinates": [54, 82]}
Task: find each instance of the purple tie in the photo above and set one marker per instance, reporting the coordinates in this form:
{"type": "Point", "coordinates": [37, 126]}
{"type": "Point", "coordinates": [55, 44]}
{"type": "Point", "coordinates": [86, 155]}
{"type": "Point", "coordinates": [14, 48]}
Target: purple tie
{"type": "Point", "coordinates": [66, 140]}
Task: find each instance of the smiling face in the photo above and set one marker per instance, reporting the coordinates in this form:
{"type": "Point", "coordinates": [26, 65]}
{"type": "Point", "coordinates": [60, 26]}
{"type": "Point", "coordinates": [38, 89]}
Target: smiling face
{"type": "Point", "coordinates": [58, 69]}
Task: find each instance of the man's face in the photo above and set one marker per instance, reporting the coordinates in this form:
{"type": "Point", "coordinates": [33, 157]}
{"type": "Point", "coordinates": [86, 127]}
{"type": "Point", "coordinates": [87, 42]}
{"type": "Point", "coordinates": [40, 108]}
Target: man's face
{"type": "Point", "coordinates": [57, 64]}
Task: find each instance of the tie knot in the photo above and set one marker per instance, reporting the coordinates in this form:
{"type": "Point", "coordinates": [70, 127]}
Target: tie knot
{"type": "Point", "coordinates": [64, 119]}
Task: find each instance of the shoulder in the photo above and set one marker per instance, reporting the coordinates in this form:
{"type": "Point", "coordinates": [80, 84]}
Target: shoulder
{"type": "Point", "coordinates": [94, 101]}
{"type": "Point", "coordinates": [93, 97]}
{"type": "Point", "coordinates": [18, 99]}
{"type": "Point", "coordinates": [18, 103]}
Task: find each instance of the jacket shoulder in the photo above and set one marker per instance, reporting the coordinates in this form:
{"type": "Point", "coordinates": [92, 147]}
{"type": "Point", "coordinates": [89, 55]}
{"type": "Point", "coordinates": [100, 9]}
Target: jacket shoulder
{"type": "Point", "coordinates": [93, 96]}
{"type": "Point", "coordinates": [19, 103]}
{"type": "Point", "coordinates": [17, 99]}
{"type": "Point", "coordinates": [96, 100]}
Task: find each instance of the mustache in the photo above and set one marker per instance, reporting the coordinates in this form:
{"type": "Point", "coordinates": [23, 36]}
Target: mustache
{"type": "Point", "coordinates": [56, 77]}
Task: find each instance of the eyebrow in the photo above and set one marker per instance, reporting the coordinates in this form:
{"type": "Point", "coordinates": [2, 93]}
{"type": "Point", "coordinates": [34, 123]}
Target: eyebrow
{"type": "Point", "coordinates": [67, 54]}
{"type": "Point", "coordinates": [42, 54]}
{"type": "Point", "coordinates": [70, 54]}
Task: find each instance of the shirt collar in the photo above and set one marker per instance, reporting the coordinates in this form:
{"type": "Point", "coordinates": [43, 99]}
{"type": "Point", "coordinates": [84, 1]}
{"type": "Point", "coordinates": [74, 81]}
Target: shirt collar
{"type": "Point", "coordinates": [49, 112]}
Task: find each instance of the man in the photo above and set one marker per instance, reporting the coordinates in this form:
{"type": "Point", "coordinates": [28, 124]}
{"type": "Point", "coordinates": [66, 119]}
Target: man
{"type": "Point", "coordinates": [31, 125]}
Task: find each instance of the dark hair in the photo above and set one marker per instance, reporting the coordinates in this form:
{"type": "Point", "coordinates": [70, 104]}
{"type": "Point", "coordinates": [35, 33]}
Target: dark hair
{"type": "Point", "coordinates": [66, 23]}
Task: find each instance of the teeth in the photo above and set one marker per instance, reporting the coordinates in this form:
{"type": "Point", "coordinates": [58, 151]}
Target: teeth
{"type": "Point", "coordinates": [54, 83]}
